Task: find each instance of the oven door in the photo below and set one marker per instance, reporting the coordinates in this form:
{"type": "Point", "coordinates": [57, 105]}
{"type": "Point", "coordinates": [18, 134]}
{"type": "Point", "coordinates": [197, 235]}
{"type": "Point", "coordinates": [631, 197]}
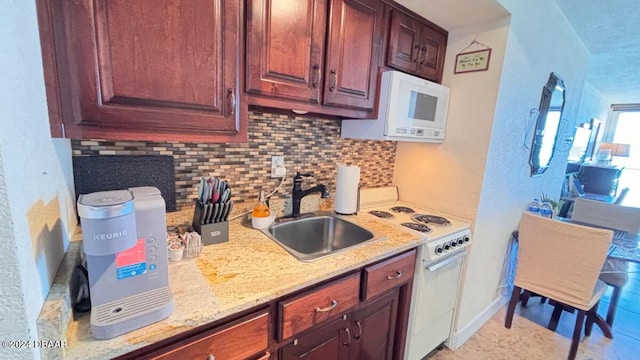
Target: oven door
{"type": "Point", "coordinates": [436, 298]}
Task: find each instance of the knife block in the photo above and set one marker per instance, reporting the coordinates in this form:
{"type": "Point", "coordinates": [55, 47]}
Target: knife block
{"type": "Point", "coordinates": [214, 233]}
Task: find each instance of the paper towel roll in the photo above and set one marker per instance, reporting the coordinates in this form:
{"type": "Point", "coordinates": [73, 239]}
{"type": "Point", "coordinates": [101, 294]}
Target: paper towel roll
{"type": "Point", "coordinates": [347, 188]}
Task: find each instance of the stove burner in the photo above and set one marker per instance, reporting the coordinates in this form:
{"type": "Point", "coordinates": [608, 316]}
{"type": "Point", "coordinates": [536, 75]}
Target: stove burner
{"type": "Point", "coordinates": [431, 220]}
{"type": "Point", "coordinates": [417, 227]}
{"type": "Point", "coordinates": [402, 210]}
{"type": "Point", "coordinates": [381, 214]}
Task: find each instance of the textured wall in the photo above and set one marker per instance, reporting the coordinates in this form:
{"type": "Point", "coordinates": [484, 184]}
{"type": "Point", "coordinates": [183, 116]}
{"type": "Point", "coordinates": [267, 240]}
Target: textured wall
{"type": "Point", "coordinates": [540, 41]}
{"type": "Point", "coordinates": [36, 215]}
{"type": "Point", "coordinates": [308, 144]}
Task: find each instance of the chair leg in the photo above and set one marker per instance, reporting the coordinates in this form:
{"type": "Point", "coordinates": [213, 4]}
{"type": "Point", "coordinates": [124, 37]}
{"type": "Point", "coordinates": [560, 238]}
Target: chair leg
{"type": "Point", "coordinates": [577, 333]}
{"type": "Point", "coordinates": [515, 296]}
{"type": "Point", "coordinates": [613, 305]}
{"type": "Point", "coordinates": [555, 317]}
{"type": "Point", "coordinates": [591, 319]}
{"type": "Point", "coordinates": [525, 298]}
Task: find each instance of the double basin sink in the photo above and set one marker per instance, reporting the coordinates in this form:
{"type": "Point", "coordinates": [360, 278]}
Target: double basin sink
{"type": "Point", "coordinates": [318, 235]}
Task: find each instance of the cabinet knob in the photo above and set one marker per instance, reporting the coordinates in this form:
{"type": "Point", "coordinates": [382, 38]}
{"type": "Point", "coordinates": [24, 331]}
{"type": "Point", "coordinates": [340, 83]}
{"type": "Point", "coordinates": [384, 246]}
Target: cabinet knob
{"type": "Point", "coordinates": [332, 80]}
{"type": "Point", "coordinates": [417, 47]}
{"type": "Point", "coordinates": [348, 332]}
{"type": "Point", "coordinates": [231, 101]}
{"type": "Point", "coordinates": [423, 61]}
{"type": "Point", "coordinates": [333, 305]}
{"type": "Point", "coordinates": [357, 336]}
{"type": "Point", "coordinates": [398, 275]}
{"type": "Point", "coordinates": [211, 357]}
{"type": "Point", "coordinates": [316, 76]}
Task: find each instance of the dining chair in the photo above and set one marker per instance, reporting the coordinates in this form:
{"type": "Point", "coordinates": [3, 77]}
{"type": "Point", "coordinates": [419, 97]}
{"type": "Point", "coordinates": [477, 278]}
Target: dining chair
{"type": "Point", "coordinates": [612, 216]}
{"type": "Point", "coordinates": [561, 261]}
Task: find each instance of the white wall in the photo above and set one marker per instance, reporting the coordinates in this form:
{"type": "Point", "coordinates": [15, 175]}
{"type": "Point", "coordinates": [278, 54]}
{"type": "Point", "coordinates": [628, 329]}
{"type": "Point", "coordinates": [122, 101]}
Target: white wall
{"type": "Point", "coordinates": [540, 42]}
{"type": "Point", "coordinates": [36, 188]}
{"type": "Point", "coordinates": [482, 172]}
{"type": "Point", "coordinates": [448, 176]}
{"type": "Point", "coordinates": [593, 105]}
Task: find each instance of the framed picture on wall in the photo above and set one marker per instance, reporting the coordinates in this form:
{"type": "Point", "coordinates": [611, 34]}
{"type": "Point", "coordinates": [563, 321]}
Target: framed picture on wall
{"type": "Point", "coordinates": [595, 131]}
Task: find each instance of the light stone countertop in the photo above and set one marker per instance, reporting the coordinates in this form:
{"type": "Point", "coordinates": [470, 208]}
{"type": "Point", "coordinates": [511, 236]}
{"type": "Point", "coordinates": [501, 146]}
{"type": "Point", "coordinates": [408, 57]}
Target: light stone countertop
{"type": "Point", "coordinates": [248, 270]}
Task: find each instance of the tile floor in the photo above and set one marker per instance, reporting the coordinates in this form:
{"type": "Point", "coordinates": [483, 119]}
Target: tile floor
{"type": "Point", "coordinates": [529, 338]}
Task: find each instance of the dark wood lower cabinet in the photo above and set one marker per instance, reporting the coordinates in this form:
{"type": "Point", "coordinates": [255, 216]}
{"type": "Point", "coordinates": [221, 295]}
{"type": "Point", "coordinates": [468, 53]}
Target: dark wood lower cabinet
{"type": "Point", "coordinates": [374, 329]}
{"type": "Point", "coordinates": [346, 328]}
{"type": "Point", "coordinates": [367, 334]}
{"type": "Point", "coordinates": [330, 341]}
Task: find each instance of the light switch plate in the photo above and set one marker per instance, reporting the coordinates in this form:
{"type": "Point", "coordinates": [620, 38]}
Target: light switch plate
{"type": "Point", "coordinates": [277, 167]}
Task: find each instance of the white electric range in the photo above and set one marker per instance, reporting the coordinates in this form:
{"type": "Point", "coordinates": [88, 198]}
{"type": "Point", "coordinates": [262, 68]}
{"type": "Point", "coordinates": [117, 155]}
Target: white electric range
{"type": "Point", "coordinates": [439, 265]}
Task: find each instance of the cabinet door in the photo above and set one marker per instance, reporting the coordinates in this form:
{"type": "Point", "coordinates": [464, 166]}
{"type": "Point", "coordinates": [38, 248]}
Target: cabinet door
{"type": "Point", "coordinates": [330, 341]}
{"type": "Point", "coordinates": [355, 33]}
{"type": "Point", "coordinates": [285, 48]}
{"type": "Point", "coordinates": [374, 328]}
{"type": "Point", "coordinates": [404, 42]}
{"type": "Point", "coordinates": [154, 65]}
{"type": "Point", "coordinates": [432, 50]}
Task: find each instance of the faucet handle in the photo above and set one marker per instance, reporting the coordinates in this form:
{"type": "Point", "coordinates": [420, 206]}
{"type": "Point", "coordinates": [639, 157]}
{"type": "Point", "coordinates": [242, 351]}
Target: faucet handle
{"type": "Point", "coordinates": [299, 175]}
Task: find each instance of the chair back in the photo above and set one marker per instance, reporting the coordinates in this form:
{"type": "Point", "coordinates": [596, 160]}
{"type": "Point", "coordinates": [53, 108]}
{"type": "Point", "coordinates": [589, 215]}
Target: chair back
{"type": "Point", "coordinates": [611, 216]}
{"type": "Point", "coordinates": [559, 260]}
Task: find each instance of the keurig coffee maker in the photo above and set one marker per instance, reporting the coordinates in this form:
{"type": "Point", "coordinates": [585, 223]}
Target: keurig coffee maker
{"type": "Point", "coordinates": [124, 239]}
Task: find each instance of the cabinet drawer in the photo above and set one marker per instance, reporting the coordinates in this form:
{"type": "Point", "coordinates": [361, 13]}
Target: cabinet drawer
{"type": "Point", "coordinates": [390, 273]}
{"type": "Point", "coordinates": [239, 341]}
{"type": "Point", "coordinates": [315, 306]}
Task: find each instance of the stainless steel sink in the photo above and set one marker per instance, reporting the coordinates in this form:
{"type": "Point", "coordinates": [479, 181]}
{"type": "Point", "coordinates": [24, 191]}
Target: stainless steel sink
{"type": "Point", "coordinates": [319, 235]}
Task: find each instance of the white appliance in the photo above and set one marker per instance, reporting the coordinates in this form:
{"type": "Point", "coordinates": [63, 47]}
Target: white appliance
{"type": "Point", "coordinates": [438, 274]}
{"type": "Point", "coordinates": [124, 238]}
{"type": "Point", "coordinates": [411, 109]}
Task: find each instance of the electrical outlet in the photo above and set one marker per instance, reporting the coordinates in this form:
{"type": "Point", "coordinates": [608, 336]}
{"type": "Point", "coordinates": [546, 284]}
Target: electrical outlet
{"type": "Point", "coordinates": [277, 167]}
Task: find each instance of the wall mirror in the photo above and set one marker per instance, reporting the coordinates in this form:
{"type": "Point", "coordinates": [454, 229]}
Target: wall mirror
{"type": "Point", "coordinates": [547, 127]}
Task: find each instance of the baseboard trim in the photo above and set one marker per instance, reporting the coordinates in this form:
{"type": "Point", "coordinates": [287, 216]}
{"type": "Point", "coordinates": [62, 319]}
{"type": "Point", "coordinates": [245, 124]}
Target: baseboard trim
{"type": "Point", "coordinates": [459, 337]}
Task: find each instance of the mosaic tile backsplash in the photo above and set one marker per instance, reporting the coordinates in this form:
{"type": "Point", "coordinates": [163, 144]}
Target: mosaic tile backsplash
{"type": "Point", "coordinates": [308, 145]}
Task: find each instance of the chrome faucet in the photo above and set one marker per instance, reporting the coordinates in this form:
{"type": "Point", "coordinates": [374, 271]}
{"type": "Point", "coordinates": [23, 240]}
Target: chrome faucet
{"type": "Point", "coordinates": [297, 194]}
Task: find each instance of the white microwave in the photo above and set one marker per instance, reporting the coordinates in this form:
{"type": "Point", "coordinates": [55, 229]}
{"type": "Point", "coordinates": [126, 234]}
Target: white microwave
{"type": "Point", "coordinates": [411, 109]}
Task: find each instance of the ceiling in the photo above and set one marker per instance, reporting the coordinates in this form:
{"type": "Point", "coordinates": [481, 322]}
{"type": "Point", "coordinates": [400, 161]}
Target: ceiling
{"type": "Point", "coordinates": [610, 30]}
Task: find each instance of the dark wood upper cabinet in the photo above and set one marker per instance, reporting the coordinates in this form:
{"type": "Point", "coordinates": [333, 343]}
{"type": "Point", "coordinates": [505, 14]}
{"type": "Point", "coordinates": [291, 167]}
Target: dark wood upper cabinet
{"type": "Point", "coordinates": [285, 48]}
{"type": "Point", "coordinates": [416, 46]}
{"type": "Point", "coordinates": [148, 69]}
{"type": "Point", "coordinates": [323, 53]}
{"type": "Point", "coordinates": [404, 42]}
{"type": "Point", "coordinates": [355, 31]}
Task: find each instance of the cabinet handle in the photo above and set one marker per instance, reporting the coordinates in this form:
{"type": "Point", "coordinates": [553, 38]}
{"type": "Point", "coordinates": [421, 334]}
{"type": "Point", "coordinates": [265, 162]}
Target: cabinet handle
{"type": "Point", "coordinates": [424, 48]}
{"type": "Point", "coordinates": [333, 79]}
{"type": "Point", "coordinates": [333, 305]}
{"type": "Point", "coordinates": [357, 337]}
{"type": "Point", "coordinates": [266, 356]}
{"type": "Point", "coordinates": [417, 47]}
{"type": "Point", "coordinates": [348, 337]}
{"type": "Point", "coordinates": [398, 275]}
{"type": "Point", "coordinates": [317, 76]}
{"type": "Point", "coordinates": [231, 101]}
{"type": "Point", "coordinates": [211, 357]}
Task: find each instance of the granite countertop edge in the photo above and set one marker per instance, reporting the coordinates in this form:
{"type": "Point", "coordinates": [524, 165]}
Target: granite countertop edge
{"type": "Point", "coordinates": [206, 289]}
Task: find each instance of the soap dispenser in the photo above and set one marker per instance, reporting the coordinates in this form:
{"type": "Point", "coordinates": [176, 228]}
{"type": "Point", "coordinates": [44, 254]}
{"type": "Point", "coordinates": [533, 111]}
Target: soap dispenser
{"type": "Point", "coordinates": [261, 215]}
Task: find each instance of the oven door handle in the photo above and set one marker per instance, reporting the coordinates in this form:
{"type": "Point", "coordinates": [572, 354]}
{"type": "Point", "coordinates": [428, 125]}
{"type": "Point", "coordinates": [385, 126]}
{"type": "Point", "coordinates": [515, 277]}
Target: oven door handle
{"type": "Point", "coordinates": [447, 261]}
